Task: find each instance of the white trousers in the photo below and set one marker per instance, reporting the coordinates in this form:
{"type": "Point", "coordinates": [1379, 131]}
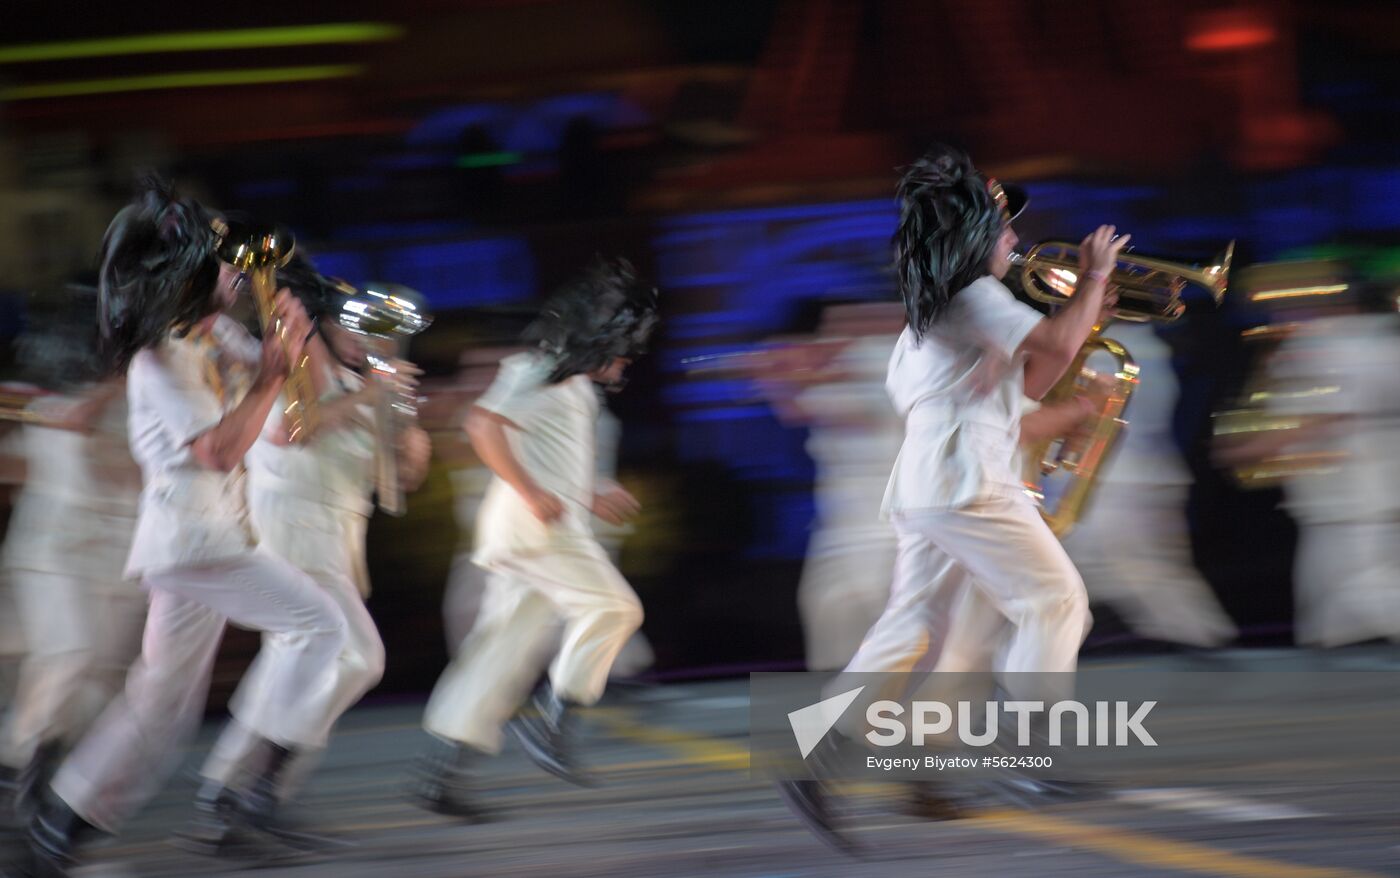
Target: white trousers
{"type": "Point", "coordinates": [126, 757]}
{"type": "Point", "coordinates": [1347, 582]}
{"type": "Point", "coordinates": [357, 669]}
{"type": "Point", "coordinates": [82, 638]}
{"type": "Point", "coordinates": [527, 596]}
{"type": "Point", "coordinates": [1134, 552]}
{"type": "Point", "coordinates": [982, 587]}
{"type": "Point", "coordinates": [844, 589]}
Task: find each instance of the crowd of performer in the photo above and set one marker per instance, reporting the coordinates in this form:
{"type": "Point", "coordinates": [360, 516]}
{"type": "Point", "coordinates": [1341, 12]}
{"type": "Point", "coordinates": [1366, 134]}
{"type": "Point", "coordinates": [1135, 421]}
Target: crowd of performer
{"type": "Point", "coordinates": [170, 484]}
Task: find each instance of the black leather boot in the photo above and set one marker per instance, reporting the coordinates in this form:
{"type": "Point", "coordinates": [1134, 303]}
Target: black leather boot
{"type": "Point", "coordinates": [215, 826]}
{"type": "Point", "coordinates": [441, 784]}
{"type": "Point", "coordinates": [812, 800]}
{"type": "Point", "coordinates": [11, 815]}
{"type": "Point", "coordinates": [548, 736]}
{"type": "Point", "coordinates": [55, 831]}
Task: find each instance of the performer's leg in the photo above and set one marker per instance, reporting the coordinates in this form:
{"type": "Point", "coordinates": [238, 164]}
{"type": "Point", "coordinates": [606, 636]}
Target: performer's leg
{"type": "Point", "coordinates": [495, 667]}
{"type": "Point", "coordinates": [124, 759]}
{"type": "Point", "coordinates": [1017, 562]}
{"type": "Point", "coordinates": [356, 670]}
{"type": "Point", "coordinates": [52, 609]}
{"type": "Point", "coordinates": [600, 613]}
{"type": "Point", "coordinates": [911, 630]}
{"type": "Point", "coordinates": [477, 693]}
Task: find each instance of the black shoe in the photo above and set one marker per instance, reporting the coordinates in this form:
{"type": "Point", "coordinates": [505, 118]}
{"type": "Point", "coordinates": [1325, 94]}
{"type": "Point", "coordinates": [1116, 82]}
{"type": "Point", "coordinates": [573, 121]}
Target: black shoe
{"type": "Point", "coordinates": [222, 827]}
{"type": "Point", "coordinates": [440, 782]}
{"type": "Point", "coordinates": [548, 737]}
{"type": "Point", "coordinates": [54, 833]}
{"type": "Point", "coordinates": [1026, 791]}
{"type": "Point", "coordinates": [809, 800]}
{"type": "Point", "coordinates": [11, 813]}
{"type": "Point", "coordinates": [927, 801]}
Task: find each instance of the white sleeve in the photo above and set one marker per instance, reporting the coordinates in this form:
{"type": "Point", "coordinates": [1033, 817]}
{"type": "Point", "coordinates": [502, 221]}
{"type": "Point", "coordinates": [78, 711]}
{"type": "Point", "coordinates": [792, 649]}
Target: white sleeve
{"type": "Point", "coordinates": [993, 317]}
{"type": "Point", "coordinates": [185, 406]}
{"type": "Point", "coordinates": [513, 393]}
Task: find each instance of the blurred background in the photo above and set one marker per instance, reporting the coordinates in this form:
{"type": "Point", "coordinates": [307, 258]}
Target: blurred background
{"type": "Point", "coordinates": [743, 153]}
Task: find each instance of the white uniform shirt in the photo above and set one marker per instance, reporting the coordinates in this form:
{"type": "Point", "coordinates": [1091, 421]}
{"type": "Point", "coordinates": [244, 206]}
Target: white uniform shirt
{"type": "Point", "coordinates": [336, 469]}
{"type": "Point", "coordinates": [856, 437]}
{"type": "Point", "coordinates": [189, 514]}
{"type": "Point", "coordinates": [960, 443]}
{"type": "Point", "coordinates": [555, 446]}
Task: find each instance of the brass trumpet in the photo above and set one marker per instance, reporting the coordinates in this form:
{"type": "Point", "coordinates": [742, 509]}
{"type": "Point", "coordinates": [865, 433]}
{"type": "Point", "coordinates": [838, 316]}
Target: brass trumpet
{"type": "Point", "coordinates": [258, 251]}
{"type": "Point", "coordinates": [1149, 289]}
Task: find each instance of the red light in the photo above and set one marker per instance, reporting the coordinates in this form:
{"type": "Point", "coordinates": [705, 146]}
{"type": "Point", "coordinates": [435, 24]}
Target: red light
{"type": "Point", "coordinates": [1230, 31]}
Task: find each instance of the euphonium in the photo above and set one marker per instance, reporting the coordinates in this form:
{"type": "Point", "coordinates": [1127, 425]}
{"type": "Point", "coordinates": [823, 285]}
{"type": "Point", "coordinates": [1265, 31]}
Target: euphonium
{"type": "Point", "coordinates": [1148, 289]}
{"type": "Point", "coordinates": [387, 314]}
{"type": "Point", "coordinates": [257, 252]}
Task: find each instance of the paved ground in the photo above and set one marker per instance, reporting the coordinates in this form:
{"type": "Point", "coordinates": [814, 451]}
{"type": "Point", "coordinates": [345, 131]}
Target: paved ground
{"type": "Point", "coordinates": [678, 802]}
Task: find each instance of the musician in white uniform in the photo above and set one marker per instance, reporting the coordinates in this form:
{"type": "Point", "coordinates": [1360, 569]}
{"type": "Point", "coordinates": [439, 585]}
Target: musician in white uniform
{"type": "Point", "coordinates": [310, 504]}
{"type": "Point", "coordinates": [958, 373]}
{"type": "Point", "coordinates": [1338, 376]}
{"type": "Point", "coordinates": [66, 547]}
{"type": "Point", "coordinates": [200, 389]}
{"type": "Point", "coordinates": [837, 390]}
{"type": "Point", "coordinates": [535, 427]}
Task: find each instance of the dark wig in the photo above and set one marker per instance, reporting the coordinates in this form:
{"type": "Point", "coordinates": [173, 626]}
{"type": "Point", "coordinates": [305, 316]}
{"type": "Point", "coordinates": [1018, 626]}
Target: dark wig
{"type": "Point", "coordinates": [604, 314]}
{"type": "Point", "coordinates": [158, 271]}
{"type": "Point", "coordinates": [949, 224]}
{"type": "Point", "coordinates": [320, 295]}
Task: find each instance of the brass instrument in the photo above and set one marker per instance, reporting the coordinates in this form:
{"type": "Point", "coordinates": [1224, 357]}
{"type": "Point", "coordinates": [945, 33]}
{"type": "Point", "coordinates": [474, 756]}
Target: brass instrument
{"type": "Point", "coordinates": [1282, 289]}
{"type": "Point", "coordinates": [17, 406]}
{"type": "Point", "coordinates": [1148, 289]}
{"type": "Point", "coordinates": [257, 252]}
{"type": "Point", "coordinates": [387, 314]}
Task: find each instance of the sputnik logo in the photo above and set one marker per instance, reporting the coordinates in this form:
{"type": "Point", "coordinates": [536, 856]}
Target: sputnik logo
{"type": "Point", "coordinates": [811, 723]}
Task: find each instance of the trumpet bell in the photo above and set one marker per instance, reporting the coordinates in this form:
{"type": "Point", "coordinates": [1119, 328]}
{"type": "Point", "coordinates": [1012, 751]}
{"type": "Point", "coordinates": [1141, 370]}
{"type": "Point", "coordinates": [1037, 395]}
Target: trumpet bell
{"type": "Point", "coordinates": [247, 246]}
{"type": "Point", "coordinates": [385, 311]}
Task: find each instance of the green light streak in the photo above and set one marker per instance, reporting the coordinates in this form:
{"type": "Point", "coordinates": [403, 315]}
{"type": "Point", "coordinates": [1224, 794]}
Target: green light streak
{"type": "Point", "coordinates": [189, 79]}
{"type": "Point", "coordinates": [488, 159]}
{"type": "Point", "coordinates": [203, 41]}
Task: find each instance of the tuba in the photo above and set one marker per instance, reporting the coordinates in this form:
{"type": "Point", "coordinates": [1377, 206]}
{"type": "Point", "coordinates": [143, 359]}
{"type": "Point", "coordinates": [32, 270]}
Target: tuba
{"type": "Point", "coordinates": [1148, 290]}
{"type": "Point", "coordinates": [386, 314]}
{"type": "Point", "coordinates": [257, 252]}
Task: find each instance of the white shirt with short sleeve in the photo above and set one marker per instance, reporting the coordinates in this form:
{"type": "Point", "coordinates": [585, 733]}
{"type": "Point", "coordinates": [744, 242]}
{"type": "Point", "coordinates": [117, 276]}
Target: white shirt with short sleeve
{"type": "Point", "coordinates": [960, 391]}
{"type": "Point", "coordinates": [189, 515]}
{"type": "Point", "coordinates": [554, 443]}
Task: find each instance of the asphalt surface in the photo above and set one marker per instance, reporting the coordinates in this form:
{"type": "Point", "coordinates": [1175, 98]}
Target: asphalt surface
{"type": "Point", "coordinates": [677, 800]}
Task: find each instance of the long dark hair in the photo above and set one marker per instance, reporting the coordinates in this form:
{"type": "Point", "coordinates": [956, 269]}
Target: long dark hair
{"type": "Point", "coordinates": [158, 271]}
{"type": "Point", "coordinates": [949, 224]}
{"type": "Point", "coordinates": [603, 314]}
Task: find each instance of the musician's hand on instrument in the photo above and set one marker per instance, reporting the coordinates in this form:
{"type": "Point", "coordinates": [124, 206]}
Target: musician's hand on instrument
{"type": "Point", "coordinates": [295, 325]}
{"type": "Point", "coordinates": [614, 505]}
{"type": "Point", "coordinates": [1099, 251]}
{"type": "Point", "coordinates": [1110, 305]}
{"type": "Point", "coordinates": [544, 505]}
{"type": "Point", "coordinates": [404, 377]}
{"type": "Point", "coordinates": [414, 452]}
